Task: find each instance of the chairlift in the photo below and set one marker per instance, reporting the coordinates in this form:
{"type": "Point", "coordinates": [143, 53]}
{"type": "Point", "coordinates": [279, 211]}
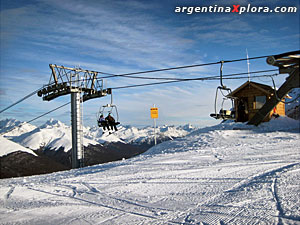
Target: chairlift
{"type": "Point", "coordinates": [108, 109]}
{"type": "Point", "coordinates": [223, 114]}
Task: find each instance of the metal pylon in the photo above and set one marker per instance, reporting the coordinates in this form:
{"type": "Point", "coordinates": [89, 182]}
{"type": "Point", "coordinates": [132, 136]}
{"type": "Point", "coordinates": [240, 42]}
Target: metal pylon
{"type": "Point", "coordinates": [83, 85]}
{"type": "Point", "coordinates": [77, 132]}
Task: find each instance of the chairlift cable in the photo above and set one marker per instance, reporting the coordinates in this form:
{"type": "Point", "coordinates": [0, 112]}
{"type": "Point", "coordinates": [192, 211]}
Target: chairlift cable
{"type": "Point", "coordinates": [184, 67]}
{"type": "Point", "coordinates": [156, 78]}
{"type": "Point", "coordinates": [172, 80]}
{"type": "Point", "coordinates": [44, 114]}
{"type": "Point", "coordinates": [185, 80]}
{"type": "Point", "coordinates": [21, 100]}
{"type": "Point", "coordinates": [258, 76]}
{"type": "Point", "coordinates": [152, 71]}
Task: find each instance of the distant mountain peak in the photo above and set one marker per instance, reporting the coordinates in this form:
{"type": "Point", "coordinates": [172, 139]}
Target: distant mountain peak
{"type": "Point", "coordinates": [9, 123]}
{"type": "Point", "coordinates": [13, 127]}
{"type": "Point", "coordinates": [54, 123]}
{"type": "Point", "coordinates": [188, 127]}
{"type": "Point", "coordinates": [55, 134]}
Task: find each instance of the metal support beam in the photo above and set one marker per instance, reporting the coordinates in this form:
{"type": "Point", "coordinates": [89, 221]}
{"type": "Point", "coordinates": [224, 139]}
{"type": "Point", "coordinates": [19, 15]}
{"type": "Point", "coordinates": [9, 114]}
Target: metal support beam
{"type": "Point", "coordinates": [291, 82]}
{"type": "Point", "coordinates": [53, 73]}
{"type": "Point", "coordinates": [93, 80]}
{"type": "Point", "coordinates": [77, 132]}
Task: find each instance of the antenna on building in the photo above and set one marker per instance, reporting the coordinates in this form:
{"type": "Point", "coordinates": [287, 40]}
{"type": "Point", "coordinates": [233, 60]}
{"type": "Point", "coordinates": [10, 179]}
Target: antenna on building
{"type": "Point", "coordinates": [248, 63]}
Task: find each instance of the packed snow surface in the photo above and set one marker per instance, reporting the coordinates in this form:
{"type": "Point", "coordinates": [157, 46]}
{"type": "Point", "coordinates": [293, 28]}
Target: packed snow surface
{"type": "Point", "coordinates": [227, 174]}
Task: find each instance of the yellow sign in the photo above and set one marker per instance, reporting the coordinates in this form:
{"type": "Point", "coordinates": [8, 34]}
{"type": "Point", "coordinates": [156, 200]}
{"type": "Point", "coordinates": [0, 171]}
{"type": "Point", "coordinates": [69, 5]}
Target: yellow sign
{"type": "Point", "coordinates": [154, 113]}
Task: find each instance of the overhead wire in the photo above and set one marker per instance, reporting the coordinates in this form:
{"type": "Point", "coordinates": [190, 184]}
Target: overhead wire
{"type": "Point", "coordinates": [217, 76]}
{"type": "Point", "coordinates": [184, 80]}
{"type": "Point", "coordinates": [184, 67]}
{"type": "Point", "coordinates": [136, 77]}
{"type": "Point", "coordinates": [172, 80]}
{"type": "Point", "coordinates": [129, 75]}
{"type": "Point", "coordinates": [110, 75]}
{"type": "Point", "coordinates": [228, 76]}
{"type": "Point", "coordinates": [21, 100]}
{"type": "Point", "coordinates": [44, 114]}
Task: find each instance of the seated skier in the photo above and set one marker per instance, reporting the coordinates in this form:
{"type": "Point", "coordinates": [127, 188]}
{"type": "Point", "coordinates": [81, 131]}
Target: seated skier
{"type": "Point", "coordinates": [111, 122]}
{"type": "Point", "coordinates": [102, 122]}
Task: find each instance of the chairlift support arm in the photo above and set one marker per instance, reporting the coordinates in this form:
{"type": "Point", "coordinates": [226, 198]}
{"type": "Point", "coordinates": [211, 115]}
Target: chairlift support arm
{"type": "Point", "coordinates": [287, 63]}
{"type": "Point", "coordinates": [222, 87]}
{"type": "Point", "coordinates": [66, 80]}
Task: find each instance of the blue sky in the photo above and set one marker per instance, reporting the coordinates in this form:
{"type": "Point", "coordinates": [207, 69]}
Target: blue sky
{"type": "Point", "coordinates": [127, 36]}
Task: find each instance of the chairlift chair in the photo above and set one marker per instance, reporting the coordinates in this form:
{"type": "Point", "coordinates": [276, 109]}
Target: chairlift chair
{"type": "Point", "coordinates": [223, 114]}
{"type": "Point", "coordinates": [108, 109]}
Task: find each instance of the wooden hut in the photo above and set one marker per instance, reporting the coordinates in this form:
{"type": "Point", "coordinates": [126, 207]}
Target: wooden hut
{"type": "Point", "coordinates": [250, 97]}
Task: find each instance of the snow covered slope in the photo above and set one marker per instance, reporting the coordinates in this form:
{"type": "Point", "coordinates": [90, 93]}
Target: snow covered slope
{"type": "Point", "coordinates": [226, 174]}
{"type": "Point", "coordinates": [8, 146]}
{"type": "Point", "coordinates": [220, 136]}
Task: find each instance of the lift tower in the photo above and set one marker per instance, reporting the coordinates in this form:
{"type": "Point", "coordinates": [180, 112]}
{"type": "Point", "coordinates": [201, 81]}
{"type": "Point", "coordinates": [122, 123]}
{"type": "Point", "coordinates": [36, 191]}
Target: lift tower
{"type": "Point", "coordinates": [82, 85]}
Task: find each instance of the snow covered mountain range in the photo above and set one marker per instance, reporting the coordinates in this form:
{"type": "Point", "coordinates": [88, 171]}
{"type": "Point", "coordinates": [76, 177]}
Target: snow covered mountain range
{"type": "Point", "coordinates": [56, 135]}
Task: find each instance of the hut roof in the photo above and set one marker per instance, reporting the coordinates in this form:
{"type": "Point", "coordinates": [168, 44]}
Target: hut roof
{"type": "Point", "coordinates": [264, 88]}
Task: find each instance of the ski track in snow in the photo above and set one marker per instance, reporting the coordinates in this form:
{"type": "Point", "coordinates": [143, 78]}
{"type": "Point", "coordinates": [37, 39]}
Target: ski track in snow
{"type": "Point", "coordinates": [222, 204]}
{"type": "Point", "coordinates": [212, 176]}
{"type": "Point", "coordinates": [8, 194]}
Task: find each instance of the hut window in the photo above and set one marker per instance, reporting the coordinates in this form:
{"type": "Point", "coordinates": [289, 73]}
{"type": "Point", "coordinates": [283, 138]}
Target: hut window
{"type": "Point", "coordinates": [259, 101]}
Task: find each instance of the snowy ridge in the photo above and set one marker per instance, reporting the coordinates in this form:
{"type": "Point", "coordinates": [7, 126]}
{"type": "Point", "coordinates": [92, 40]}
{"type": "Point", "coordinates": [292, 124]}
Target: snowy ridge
{"type": "Point", "coordinates": [55, 134]}
{"type": "Point", "coordinates": [12, 127]}
{"type": "Point", "coordinates": [8, 147]}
